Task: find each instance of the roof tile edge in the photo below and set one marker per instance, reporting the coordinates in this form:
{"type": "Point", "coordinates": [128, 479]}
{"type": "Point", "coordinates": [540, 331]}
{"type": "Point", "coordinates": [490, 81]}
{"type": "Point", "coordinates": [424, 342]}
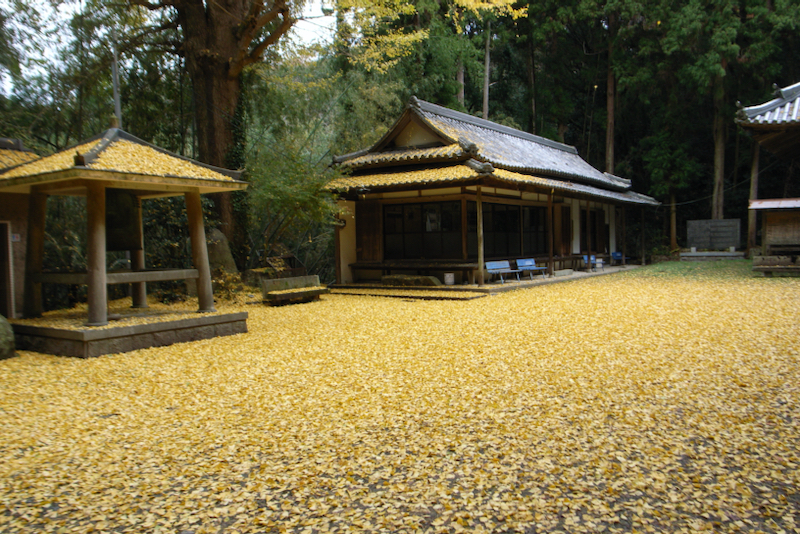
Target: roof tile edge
{"type": "Point", "coordinates": [422, 105]}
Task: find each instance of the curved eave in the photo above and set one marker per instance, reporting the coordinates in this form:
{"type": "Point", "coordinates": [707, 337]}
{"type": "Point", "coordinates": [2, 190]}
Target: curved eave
{"type": "Point", "coordinates": [72, 181]}
{"type": "Point", "coordinates": [612, 182]}
{"type": "Point", "coordinates": [361, 184]}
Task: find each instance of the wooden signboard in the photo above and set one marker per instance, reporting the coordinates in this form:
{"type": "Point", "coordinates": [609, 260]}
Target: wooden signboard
{"type": "Point", "coordinates": [123, 220]}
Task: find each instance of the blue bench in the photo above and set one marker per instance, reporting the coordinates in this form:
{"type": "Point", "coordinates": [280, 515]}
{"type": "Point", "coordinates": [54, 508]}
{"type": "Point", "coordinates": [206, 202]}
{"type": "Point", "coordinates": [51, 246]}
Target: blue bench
{"type": "Point", "coordinates": [529, 265]}
{"type": "Point", "coordinates": [591, 263]}
{"type": "Point", "coordinates": [617, 257]}
{"type": "Point", "coordinates": [501, 268]}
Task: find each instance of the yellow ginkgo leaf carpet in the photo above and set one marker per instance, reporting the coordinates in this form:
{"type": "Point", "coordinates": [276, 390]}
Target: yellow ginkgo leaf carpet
{"type": "Point", "coordinates": [664, 399]}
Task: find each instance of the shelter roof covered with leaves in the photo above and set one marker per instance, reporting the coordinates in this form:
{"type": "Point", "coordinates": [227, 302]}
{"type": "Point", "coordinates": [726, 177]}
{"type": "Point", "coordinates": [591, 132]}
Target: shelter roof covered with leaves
{"type": "Point", "coordinates": [775, 124]}
{"type": "Point", "coordinates": [13, 153]}
{"type": "Point", "coordinates": [432, 145]}
{"type": "Point", "coordinates": [119, 157]}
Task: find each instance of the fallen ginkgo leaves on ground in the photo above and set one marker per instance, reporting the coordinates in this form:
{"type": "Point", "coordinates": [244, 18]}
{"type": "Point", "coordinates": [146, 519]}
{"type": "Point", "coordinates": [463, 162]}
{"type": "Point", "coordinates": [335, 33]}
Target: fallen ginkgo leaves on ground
{"type": "Point", "coordinates": [660, 399]}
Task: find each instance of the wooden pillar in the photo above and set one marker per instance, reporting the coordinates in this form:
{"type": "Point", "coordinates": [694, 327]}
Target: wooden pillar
{"type": "Point", "coordinates": [96, 254]}
{"type": "Point", "coordinates": [481, 257]}
{"type": "Point", "coordinates": [551, 261]}
{"type": "Point", "coordinates": [197, 235]}
{"type": "Point", "coordinates": [624, 235]}
{"type": "Point", "coordinates": [589, 231]}
{"type": "Point", "coordinates": [752, 215]}
{"type": "Point", "coordinates": [34, 256]}
{"type": "Point", "coordinates": [138, 289]}
{"type": "Point", "coordinates": [644, 261]}
{"type": "Point", "coordinates": [464, 230]}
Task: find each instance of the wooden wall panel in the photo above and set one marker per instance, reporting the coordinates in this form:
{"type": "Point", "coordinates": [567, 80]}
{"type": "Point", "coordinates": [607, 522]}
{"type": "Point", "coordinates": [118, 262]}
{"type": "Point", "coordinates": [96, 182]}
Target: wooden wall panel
{"type": "Point", "coordinates": [369, 231]}
{"type": "Point", "coordinates": [783, 228]}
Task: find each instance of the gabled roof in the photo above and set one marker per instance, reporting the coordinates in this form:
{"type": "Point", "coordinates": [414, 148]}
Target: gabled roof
{"type": "Point", "coordinates": [502, 146]}
{"type": "Point", "coordinates": [783, 109]}
{"type": "Point", "coordinates": [119, 156]}
{"type": "Point", "coordinates": [432, 145]}
{"type": "Point", "coordinates": [775, 124]}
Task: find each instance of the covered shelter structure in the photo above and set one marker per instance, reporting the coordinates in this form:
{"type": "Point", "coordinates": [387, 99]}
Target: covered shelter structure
{"type": "Point", "coordinates": [775, 126]}
{"type": "Point", "coordinates": [446, 191]}
{"type": "Point", "coordinates": [115, 171]}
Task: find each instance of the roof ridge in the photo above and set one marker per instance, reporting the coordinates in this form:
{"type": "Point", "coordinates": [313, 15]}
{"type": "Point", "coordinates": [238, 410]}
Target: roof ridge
{"type": "Point", "coordinates": [782, 96]}
{"type": "Point", "coordinates": [112, 135]}
{"type": "Point", "coordinates": [422, 105]}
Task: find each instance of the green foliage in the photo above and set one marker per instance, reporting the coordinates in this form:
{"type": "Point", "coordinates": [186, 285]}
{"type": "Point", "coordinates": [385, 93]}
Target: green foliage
{"type": "Point", "coordinates": [292, 128]}
{"type": "Point", "coordinates": [668, 162]}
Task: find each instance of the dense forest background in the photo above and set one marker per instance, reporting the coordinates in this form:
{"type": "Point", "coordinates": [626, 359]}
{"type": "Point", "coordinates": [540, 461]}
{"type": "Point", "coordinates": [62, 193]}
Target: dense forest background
{"type": "Point", "coordinates": [645, 89]}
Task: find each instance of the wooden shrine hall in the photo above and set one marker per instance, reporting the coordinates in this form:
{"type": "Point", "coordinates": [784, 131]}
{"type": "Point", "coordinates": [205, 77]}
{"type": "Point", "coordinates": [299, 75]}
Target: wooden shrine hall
{"type": "Point", "coordinates": [446, 191]}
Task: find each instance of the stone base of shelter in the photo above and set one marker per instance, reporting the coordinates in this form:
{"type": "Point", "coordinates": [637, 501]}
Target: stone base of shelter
{"type": "Point", "coordinates": [93, 342]}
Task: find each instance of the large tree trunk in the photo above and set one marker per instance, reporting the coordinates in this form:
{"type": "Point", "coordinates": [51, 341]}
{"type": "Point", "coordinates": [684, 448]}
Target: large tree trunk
{"type": "Point", "coordinates": [460, 80]}
{"type": "Point", "coordinates": [611, 95]}
{"type": "Point", "coordinates": [219, 40]}
{"type": "Point", "coordinates": [532, 84]}
{"type": "Point", "coordinates": [673, 222]}
{"type": "Point", "coordinates": [209, 44]}
{"type": "Point", "coordinates": [486, 72]}
{"type": "Point", "coordinates": [720, 126]}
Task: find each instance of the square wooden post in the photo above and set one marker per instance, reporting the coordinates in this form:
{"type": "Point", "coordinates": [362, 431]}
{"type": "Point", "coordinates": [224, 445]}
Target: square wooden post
{"type": "Point", "coordinates": [550, 261]}
{"type": "Point", "coordinates": [197, 235]}
{"type": "Point", "coordinates": [96, 254]}
{"type": "Point", "coordinates": [138, 289]}
{"type": "Point", "coordinates": [34, 255]}
{"type": "Point", "coordinates": [644, 260]}
{"type": "Point", "coordinates": [752, 221]}
{"type": "Point", "coordinates": [481, 257]}
{"type": "Point", "coordinates": [624, 234]}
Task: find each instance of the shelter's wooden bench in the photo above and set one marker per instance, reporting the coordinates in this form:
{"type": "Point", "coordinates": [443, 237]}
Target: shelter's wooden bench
{"type": "Point", "coordinates": [501, 267]}
{"type": "Point", "coordinates": [117, 277]}
{"type": "Point", "coordinates": [529, 265]}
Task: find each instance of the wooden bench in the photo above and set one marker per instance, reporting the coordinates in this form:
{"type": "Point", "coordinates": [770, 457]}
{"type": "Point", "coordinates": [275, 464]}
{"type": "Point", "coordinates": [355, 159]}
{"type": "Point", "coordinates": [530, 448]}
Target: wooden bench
{"type": "Point", "coordinates": [292, 290]}
{"type": "Point", "coordinates": [501, 268]}
{"type": "Point", "coordinates": [529, 265]}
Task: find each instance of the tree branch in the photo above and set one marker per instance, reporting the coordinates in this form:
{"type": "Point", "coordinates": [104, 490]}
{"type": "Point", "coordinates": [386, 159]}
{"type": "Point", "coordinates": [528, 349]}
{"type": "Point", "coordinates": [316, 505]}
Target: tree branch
{"type": "Point", "coordinates": [153, 6]}
{"type": "Point", "coordinates": [250, 28]}
{"type": "Point", "coordinates": [244, 58]}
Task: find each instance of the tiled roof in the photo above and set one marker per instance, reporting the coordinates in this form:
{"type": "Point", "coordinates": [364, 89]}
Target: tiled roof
{"type": "Point", "coordinates": [575, 188]}
{"type": "Point", "coordinates": [408, 155]}
{"type": "Point", "coordinates": [512, 149]}
{"type": "Point", "coordinates": [503, 147]}
{"type": "Point", "coordinates": [118, 151]}
{"type": "Point", "coordinates": [447, 175]}
{"type": "Point", "coordinates": [439, 175]}
{"type": "Point", "coordinates": [784, 109]}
